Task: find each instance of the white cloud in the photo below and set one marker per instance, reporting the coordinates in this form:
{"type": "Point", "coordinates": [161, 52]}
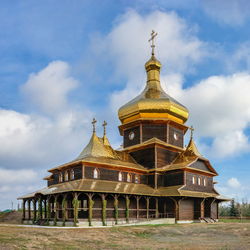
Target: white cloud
{"type": "Point", "coordinates": [233, 183]}
{"type": "Point", "coordinates": [8, 176]}
{"type": "Point", "coordinates": [48, 88]}
{"type": "Point", "coordinates": [230, 12]}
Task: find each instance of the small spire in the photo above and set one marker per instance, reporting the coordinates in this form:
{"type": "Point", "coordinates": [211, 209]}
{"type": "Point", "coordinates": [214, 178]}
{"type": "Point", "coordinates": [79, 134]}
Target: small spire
{"type": "Point", "coordinates": [93, 123]}
{"type": "Point", "coordinates": [104, 127]}
{"type": "Point", "coordinates": [153, 35]}
{"type": "Point", "coordinates": [192, 132]}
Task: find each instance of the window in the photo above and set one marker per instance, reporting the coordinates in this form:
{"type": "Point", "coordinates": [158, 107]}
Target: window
{"type": "Point", "coordinates": [66, 176]}
{"type": "Point", "coordinates": [60, 177]}
{"type": "Point", "coordinates": [72, 174]}
{"type": "Point", "coordinates": [199, 181]}
{"type": "Point", "coordinates": [137, 179]}
{"type": "Point", "coordinates": [120, 177]}
{"type": "Point", "coordinates": [205, 181]}
{"type": "Point", "coordinates": [193, 180]}
{"type": "Point", "coordinates": [129, 177]}
{"type": "Point", "coordinates": [96, 173]}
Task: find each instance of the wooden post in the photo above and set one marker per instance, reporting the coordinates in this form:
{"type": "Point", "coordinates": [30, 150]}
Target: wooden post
{"type": "Point", "coordinates": [55, 210]}
{"type": "Point", "coordinates": [91, 203]}
{"type": "Point", "coordinates": [29, 212]}
{"type": "Point", "coordinates": [75, 205]}
{"type": "Point", "coordinates": [34, 210]}
{"type": "Point", "coordinates": [104, 206]}
{"type": "Point", "coordinates": [127, 208]}
{"type": "Point", "coordinates": [202, 208]}
{"type": "Point", "coordinates": [45, 208]}
{"type": "Point", "coordinates": [49, 210]}
{"type": "Point", "coordinates": [40, 209]}
{"type": "Point", "coordinates": [137, 207]}
{"type": "Point", "coordinates": [64, 209]}
{"type": "Point", "coordinates": [156, 208]}
{"type": "Point", "coordinates": [147, 202]}
{"type": "Point", "coordinates": [24, 212]}
{"type": "Point", "coordinates": [116, 208]}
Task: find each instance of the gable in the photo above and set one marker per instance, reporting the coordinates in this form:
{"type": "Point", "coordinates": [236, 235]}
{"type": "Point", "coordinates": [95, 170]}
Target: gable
{"type": "Point", "coordinates": [200, 165]}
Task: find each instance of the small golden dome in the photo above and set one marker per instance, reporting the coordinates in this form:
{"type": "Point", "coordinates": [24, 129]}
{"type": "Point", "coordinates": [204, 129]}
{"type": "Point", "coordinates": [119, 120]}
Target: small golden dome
{"type": "Point", "coordinates": [153, 102]}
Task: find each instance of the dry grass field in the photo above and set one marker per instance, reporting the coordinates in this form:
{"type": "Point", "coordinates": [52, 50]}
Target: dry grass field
{"type": "Point", "coordinates": [189, 236]}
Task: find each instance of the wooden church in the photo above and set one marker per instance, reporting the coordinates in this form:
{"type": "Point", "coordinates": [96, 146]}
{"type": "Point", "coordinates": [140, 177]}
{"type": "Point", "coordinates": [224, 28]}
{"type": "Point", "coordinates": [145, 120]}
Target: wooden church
{"type": "Point", "coordinates": [152, 176]}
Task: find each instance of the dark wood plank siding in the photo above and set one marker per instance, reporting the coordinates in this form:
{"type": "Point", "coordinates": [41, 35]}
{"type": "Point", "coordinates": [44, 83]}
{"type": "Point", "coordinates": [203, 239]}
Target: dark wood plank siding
{"type": "Point", "coordinates": [78, 172]}
{"type": "Point", "coordinates": [136, 140]}
{"type": "Point", "coordinates": [154, 130]}
{"type": "Point", "coordinates": [200, 165]}
{"type": "Point", "coordinates": [173, 178]}
{"type": "Point", "coordinates": [186, 209]}
{"type": "Point", "coordinates": [214, 210]}
{"type": "Point", "coordinates": [200, 188]}
{"type": "Point", "coordinates": [164, 156]}
{"type": "Point", "coordinates": [145, 157]}
{"type": "Point", "coordinates": [177, 142]}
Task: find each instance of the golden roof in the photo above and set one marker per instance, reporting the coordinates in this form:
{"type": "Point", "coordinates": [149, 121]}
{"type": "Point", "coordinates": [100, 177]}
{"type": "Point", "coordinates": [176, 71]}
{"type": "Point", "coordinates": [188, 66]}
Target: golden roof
{"type": "Point", "coordinates": [90, 185]}
{"type": "Point", "coordinates": [99, 151]}
{"type": "Point", "coordinates": [153, 102]}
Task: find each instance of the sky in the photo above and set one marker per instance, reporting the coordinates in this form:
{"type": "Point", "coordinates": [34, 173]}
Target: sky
{"type": "Point", "coordinates": [64, 62]}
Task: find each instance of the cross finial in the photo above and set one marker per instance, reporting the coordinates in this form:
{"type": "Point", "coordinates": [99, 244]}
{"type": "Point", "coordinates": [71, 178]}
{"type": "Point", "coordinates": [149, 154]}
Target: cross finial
{"type": "Point", "coordinates": [93, 123]}
{"type": "Point", "coordinates": [192, 131]}
{"type": "Point", "coordinates": [153, 35]}
{"type": "Point", "coordinates": [104, 127]}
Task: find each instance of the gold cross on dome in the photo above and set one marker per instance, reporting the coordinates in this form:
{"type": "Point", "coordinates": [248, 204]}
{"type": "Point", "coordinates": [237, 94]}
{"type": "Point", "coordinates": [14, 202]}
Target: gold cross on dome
{"type": "Point", "coordinates": [93, 123]}
{"type": "Point", "coordinates": [104, 126]}
{"type": "Point", "coordinates": [153, 35]}
{"type": "Point", "coordinates": [192, 131]}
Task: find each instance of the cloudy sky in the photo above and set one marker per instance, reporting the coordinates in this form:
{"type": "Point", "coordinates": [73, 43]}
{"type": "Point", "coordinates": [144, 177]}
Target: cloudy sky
{"type": "Point", "coordinates": [64, 62]}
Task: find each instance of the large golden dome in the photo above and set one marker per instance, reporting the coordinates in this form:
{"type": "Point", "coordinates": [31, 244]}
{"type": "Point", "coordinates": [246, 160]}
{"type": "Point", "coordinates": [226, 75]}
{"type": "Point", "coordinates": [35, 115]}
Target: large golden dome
{"type": "Point", "coordinates": [153, 102]}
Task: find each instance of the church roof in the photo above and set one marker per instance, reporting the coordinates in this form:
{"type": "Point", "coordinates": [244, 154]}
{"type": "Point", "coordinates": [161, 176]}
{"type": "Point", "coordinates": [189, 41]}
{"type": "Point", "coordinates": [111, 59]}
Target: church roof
{"type": "Point", "coordinates": [99, 151]}
{"type": "Point", "coordinates": [153, 102]}
{"type": "Point", "coordinates": [90, 185]}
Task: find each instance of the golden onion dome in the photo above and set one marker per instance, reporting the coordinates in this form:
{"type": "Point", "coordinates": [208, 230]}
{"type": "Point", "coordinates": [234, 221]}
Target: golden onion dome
{"type": "Point", "coordinates": [153, 102]}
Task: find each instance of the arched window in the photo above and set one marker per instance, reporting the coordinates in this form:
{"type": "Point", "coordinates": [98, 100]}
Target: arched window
{"type": "Point", "coordinates": [120, 176]}
{"type": "Point", "coordinates": [96, 173]}
{"type": "Point", "coordinates": [199, 181]}
{"type": "Point", "coordinates": [60, 177]}
{"type": "Point", "coordinates": [193, 180]}
{"type": "Point", "coordinates": [66, 176]}
{"type": "Point", "coordinates": [72, 174]}
{"type": "Point", "coordinates": [129, 177]}
{"type": "Point", "coordinates": [137, 179]}
{"type": "Point", "coordinates": [205, 181]}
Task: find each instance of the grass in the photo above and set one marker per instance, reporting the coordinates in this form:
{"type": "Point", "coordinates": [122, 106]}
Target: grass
{"type": "Point", "coordinates": [181, 236]}
{"type": "Point", "coordinates": [234, 221]}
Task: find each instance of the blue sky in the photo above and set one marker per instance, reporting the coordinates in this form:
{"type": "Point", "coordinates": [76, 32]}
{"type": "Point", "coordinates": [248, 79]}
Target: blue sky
{"type": "Point", "coordinates": [64, 62]}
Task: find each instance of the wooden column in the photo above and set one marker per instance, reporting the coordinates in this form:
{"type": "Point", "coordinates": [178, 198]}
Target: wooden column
{"type": "Point", "coordinates": [29, 212]}
{"type": "Point", "coordinates": [104, 208]}
{"type": "Point", "coordinates": [156, 208]}
{"type": "Point", "coordinates": [45, 208]}
{"type": "Point", "coordinates": [91, 203]}
{"type": "Point", "coordinates": [34, 210]}
{"type": "Point", "coordinates": [202, 208]}
{"type": "Point", "coordinates": [24, 212]}
{"type": "Point", "coordinates": [147, 202]}
{"type": "Point", "coordinates": [127, 208]}
{"type": "Point", "coordinates": [55, 210]}
{"type": "Point", "coordinates": [40, 208]}
{"type": "Point", "coordinates": [49, 209]}
{"type": "Point", "coordinates": [137, 207]}
{"type": "Point", "coordinates": [116, 208]}
{"type": "Point", "coordinates": [75, 205]}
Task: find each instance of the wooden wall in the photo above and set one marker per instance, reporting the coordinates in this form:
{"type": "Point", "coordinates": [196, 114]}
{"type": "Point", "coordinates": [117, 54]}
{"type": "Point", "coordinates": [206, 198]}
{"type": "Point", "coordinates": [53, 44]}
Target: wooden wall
{"type": "Point", "coordinates": [145, 157]}
{"type": "Point", "coordinates": [164, 156]}
{"type": "Point", "coordinates": [126, 141]}
{"type": "Point", "coordinates": [186, 209]}
{"type": "Point", "coordinates": [195, 187]}
{"type": "Point", "coordinates": [154, 130]}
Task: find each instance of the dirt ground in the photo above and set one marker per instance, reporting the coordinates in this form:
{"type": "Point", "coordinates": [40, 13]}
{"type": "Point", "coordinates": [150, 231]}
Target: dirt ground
{"type": "Point", "coordinates": [189, 236]}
